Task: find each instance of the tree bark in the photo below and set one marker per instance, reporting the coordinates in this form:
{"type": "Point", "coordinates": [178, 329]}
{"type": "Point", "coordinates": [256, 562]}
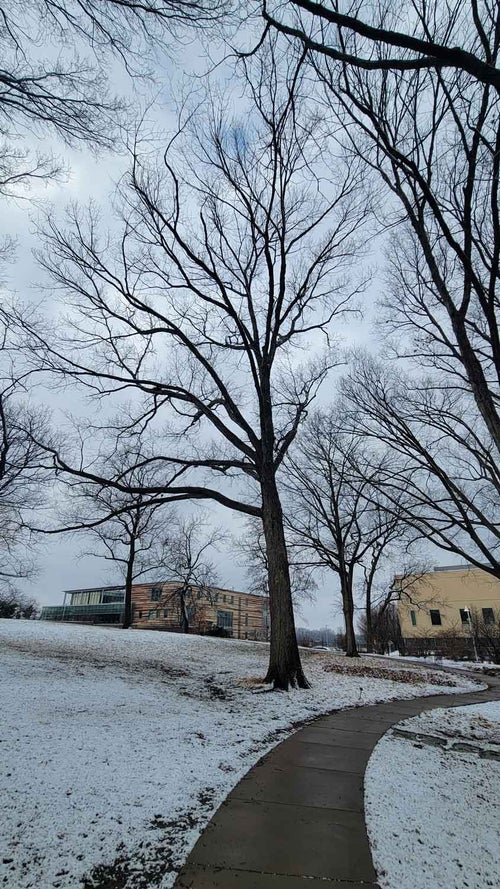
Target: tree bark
{"type": "Point", "coordinates": [348, 609]}
{"type": "Point", "coordinates": [369, 625]}
{"type": "Point", "coordinates": [184, 612]}
{"type": "Point", "coordinates": [285, 668]}
{"type": "Point", "coordinates": [127, 613]}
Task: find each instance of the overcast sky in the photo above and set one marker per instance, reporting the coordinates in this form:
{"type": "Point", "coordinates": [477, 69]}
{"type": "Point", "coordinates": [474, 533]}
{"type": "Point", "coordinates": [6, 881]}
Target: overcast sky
{"type": "Point", "coordinates": [91, 177]}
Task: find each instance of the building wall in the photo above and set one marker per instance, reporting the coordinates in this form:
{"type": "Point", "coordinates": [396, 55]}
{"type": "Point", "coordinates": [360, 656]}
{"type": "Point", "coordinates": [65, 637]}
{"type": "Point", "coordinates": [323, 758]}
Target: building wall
{"type": "Point", "coordinates": [447, 591]}
{"type": "Point", "coordinates": [156, 606]}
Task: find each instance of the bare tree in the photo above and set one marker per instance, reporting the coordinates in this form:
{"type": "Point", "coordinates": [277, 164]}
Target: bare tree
{"type": "Point", "coordinates": [429, 125]}
{"type": "Point", "coordinates": [393, 547]}
{"type": "Point", "coordinates": [185, 556]}
{"type": "Point", "coordinates": [384, 628]}
{"type": "Point", "coordinates": [232, 257]}
{"type": "Point", "coordinates": [126, 530]}
{"type": "Point", "coordinates": [442, 475]}
{"type": "Point", "coordinates": [330, 507]}
{"type": "Point", "coordinates": [402, 42]}
{"type": "Point", "coordinates": [21, 478]}
{"type": "Point", "coordinates": [485, 629]}
{"type": "Point", "coordinates": [15, 605]}
{"type": "Point", "coordinates": [66, 90]}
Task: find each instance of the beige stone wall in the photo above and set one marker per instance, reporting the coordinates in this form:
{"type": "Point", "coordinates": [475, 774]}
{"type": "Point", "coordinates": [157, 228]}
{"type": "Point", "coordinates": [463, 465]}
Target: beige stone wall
{"type": "Point", "coordinates": [447, 591]}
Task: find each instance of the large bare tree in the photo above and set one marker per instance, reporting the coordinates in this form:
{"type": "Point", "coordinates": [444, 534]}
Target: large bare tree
{"type": "Point", "coordinates": [442, 473]}
{"type": "Point", "coordinates": [332, 509]}
{"type": "Point", "coordinates": [394, 37]}
{"type": "Point", "coordinates": [211, 308]}
{"type": "Point", "coordinates": [428, 123]}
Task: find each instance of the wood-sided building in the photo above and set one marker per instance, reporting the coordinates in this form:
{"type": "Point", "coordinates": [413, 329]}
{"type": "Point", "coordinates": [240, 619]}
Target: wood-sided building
{"type": "Point", "coordinates": [160, 605]}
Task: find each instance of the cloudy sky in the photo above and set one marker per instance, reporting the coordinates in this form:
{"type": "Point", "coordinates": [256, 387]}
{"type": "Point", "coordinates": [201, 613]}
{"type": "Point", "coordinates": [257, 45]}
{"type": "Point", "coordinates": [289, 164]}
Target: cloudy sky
{"type": "Point", "coordinates": [93, 178]}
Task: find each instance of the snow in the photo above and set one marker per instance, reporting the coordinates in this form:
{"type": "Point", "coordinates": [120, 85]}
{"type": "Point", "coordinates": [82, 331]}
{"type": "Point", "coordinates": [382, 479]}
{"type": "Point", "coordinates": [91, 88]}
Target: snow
{"type": "Point", "coordinates": [445, 662]}
{"type": "Point", "coordinates": [117, 746]}
{"type": "Point", "coordinates": [431, 797]}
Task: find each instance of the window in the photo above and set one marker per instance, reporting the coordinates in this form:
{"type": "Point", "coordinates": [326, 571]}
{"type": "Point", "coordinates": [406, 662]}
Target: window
{"type": "Point", "coordinates": [232, 600]}
{"type": "Point", "coordinates": [488, 616]}
{"type": "Point", "coordinates": [246, 619]}
{"type": "Point", "coordinates": [413, 618]}
{"type": "Point", "coordinates": [140, 613]}
{"type": "Point", "coordinates": [464, 615]}
{"type": "Point", "coordinates": [224, 597]}
{"type": "Point", "coordinates": [225, 619]}
{"type": "Point", "coordinates": [153, 614]}
{"type": "Point", "coordinates": [156, 594]}
{"type": "Point", "coordinates": [165, 612]}
{"type": "Point", "coordinates": [435, 617]}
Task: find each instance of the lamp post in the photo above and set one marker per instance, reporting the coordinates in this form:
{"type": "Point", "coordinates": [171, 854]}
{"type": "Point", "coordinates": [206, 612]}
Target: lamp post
{"type": "Point", "coordinates": [469, 622]}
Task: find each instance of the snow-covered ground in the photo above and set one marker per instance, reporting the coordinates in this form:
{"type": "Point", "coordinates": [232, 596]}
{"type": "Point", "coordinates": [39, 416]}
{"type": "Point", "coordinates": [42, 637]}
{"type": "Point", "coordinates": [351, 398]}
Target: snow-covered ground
{"type": "Point", "coordinates": [117, 746]}
{"type": "Point", "coordinates": [431, 795]}
{"type": "Point", "coordinates": [446, 662]}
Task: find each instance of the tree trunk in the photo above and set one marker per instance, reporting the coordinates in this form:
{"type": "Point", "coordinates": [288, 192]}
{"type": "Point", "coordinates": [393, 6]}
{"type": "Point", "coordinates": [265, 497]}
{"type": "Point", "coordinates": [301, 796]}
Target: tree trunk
{"type": "Point", "coordinates": [285, 668]}
{"type": "Point", "coordinates": [127, 613]}
{"type": "Point", "coordinates": [351, 649]}
{"type": "Point", "coordinates": [184, 612]}
{"type": "Point", "coordinates": [368, 616]}
{"type": "Point", "coordinates": [369, 628]}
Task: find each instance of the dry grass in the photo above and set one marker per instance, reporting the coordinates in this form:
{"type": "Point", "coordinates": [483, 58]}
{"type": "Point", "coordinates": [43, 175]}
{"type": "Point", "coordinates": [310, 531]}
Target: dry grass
{"type": "Point", "coordinates": [381, 670]}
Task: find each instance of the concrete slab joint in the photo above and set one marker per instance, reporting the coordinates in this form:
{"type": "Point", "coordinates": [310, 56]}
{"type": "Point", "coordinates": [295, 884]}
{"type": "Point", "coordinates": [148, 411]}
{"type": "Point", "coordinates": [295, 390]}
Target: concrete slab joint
{"type": "Point", "coordinates": [297, 818]}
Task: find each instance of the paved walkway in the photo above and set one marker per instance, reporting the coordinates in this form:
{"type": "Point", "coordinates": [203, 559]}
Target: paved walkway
{"type": "Point", "coordinates": [296, 820]}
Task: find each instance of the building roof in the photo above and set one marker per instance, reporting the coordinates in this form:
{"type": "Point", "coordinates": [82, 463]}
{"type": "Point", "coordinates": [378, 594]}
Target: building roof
{"type": "Point", "coordinates": [105, 589]}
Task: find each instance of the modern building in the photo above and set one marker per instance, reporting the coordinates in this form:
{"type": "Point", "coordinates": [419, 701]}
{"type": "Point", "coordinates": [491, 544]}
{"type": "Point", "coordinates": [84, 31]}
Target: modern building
{"type": "Point", "coordinates": [448, 610]}
{"type": "Point", "coordinates": [159, 606]}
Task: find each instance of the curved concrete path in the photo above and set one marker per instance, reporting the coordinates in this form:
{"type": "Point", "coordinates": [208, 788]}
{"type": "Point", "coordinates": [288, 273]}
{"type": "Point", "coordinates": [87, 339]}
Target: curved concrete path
{"type": "Point", "coordinates": [296, 820]}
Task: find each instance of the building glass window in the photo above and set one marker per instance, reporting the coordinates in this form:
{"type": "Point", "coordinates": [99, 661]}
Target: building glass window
{"type": "Point", "coordinates": [156, 594]}
{"type": "Point", "coordinates": [246, 620]}
{"type": "Point", "coordinates": [464, 615]}
{"type": "Point", "coordinates": [225, 619]}
{"type": "Point", "coordinates": [488, 616]}
{"type": "Point", "coordinates": [413, 617]}
{"type": "Point", "coordinates": [140, 613]}
{"type": "Point", "coordinates": [224, 597]}
{"type": "Point", "coordinates": [435, 617]}
{"type": "Point", "coordinates": [153, 614]}
{"type": "Point", "coordinates": [165, 612]}
{"type": "Point", "coordinates": [232, 600]}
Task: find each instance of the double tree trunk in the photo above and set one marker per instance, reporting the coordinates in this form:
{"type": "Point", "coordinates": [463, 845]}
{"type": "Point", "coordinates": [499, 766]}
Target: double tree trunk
{"type": "Point", "coordinates": [285, 668]}
{"type": "Point", "coordinates": [348, 609]}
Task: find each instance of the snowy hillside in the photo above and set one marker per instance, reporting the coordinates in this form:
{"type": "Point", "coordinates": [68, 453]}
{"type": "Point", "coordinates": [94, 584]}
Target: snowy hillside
{"type": "Point", "coordinates": [117, 746]}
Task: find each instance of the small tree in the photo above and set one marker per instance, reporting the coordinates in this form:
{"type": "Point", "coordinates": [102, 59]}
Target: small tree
{"type": "Point", "coordinates": [127, 532]}
{"type": "Point", "coordinates": [15, 605]}
{"type": "Point", "coordinates": [384, 628]}
{"type": "Point", "coordinates": [485, 628]}
{"type": "Point", "coordinates": [185, 558]}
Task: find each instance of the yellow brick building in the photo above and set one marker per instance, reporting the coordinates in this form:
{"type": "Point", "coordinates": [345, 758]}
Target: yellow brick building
{"type": "Point", "coordinates": [452, 603]}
